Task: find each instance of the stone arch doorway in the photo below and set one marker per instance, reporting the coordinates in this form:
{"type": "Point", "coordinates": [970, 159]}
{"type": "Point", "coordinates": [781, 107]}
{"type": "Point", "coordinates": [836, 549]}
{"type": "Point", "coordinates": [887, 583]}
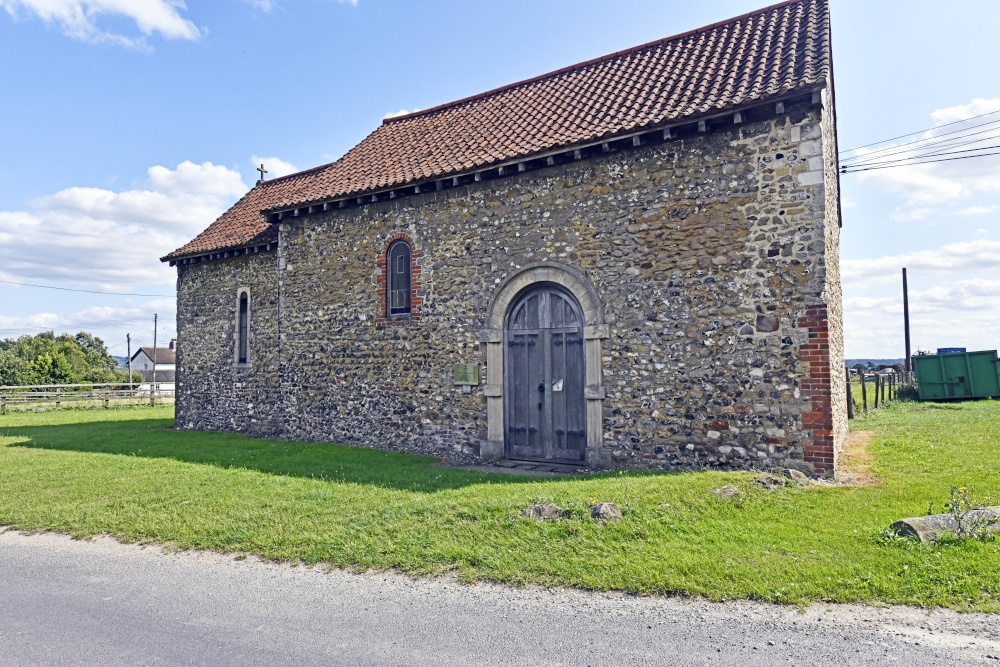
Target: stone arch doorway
{"type": "Point", "coordinates": [573, 287]}
{"type": "Point", "coordinates": [544, 378]}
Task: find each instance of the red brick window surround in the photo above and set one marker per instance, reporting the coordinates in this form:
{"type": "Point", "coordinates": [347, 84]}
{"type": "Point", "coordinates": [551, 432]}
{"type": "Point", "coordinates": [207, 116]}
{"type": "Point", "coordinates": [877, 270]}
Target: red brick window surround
{"type": "Point", "coordinates": [395, 311]}
{"type": "Point", "coordinates": [816, 386]}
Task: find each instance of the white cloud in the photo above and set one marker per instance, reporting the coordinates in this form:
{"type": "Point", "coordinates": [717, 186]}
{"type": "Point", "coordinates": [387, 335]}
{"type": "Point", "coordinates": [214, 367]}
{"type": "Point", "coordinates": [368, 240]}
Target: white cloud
{"type": "Point", "coordinates": [112, 240]}
{"type": "Point", "coordinates": [401, 112]}
{"type": "Point", "coordinates": [953, 180]}
{"type": "Point", "coordinates": [275, 167]}
{"type": "Point", "coordinates": [263, 5]}
{"type": "Point", "coordinates": [976, 210]}
{"type": "Point", "coordinates": [111, 324]}
{"type": "Point", "coordinates": [956, 314]}
{"type": "Point", "coordinates": [79, 18]}
{"type": "Point", "coordinates": [976, 107]}
{"type": "Point", "coordinates": [954, 287]}
{"type": "Point", "coordinates": [954, 297]}
{"type": "Point", "coordinates": [911, 214]}
{"type": "Point", "coordinates": [267, 5]}
{"type": "Point", "coordinates": [974, 294]}
{"type": "Point", "coordinates": [960, 256]}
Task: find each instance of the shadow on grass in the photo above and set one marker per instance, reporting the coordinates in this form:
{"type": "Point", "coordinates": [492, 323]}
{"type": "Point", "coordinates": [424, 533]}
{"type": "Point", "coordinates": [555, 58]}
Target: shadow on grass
{"type": "Point", "coordinates": [156, 439]}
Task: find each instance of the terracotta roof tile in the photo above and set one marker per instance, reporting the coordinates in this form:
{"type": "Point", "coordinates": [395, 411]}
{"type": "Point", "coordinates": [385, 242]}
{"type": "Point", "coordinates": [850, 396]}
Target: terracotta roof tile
{"type": "Point", "coordinates": [734, 63]}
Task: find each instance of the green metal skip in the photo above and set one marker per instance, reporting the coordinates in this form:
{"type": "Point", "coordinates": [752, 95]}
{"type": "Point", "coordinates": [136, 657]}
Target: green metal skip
{"type": "Point", "coordinates": [958, 375]}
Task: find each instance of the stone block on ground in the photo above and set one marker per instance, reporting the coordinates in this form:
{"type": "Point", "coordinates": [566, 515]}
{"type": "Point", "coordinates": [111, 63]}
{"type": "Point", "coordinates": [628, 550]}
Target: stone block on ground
{"type": "Point", "coordinates": [931, 528]}
{"type": "Point", "coordinates": [606, 512]}
{"type": "Point", "coordinates": [771, 482]}
{"type": "Point", "coordinates": [801, 466]}
{"type": "Point", "coordinates": [542, 512]}
{"type": "Point", "coordinates": [727, 491]}
{"type": "Point", "coordinates": [798, 477]}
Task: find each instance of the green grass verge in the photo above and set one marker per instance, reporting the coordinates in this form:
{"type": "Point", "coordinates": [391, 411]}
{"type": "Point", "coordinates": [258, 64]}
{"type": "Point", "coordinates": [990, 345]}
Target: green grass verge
{"type": "Point", "coordinates": [126, 473]}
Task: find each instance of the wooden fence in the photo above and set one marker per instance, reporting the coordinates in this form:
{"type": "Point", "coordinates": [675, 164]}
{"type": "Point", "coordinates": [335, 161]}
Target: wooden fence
{"type": "Point", "coordinates": [864, 394]}
{"type": "Point", "coordinates": [25, 398]}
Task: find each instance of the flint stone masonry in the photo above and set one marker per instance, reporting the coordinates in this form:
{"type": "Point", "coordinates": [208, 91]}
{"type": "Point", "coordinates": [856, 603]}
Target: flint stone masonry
{"type": "Point", "coordinates": [714, 257]}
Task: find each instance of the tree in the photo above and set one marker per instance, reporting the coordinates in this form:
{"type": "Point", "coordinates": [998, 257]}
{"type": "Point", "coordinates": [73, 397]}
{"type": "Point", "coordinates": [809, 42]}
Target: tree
{"type": "Point", "coordinates": [52, 368]}
{"type": "Point", "coordinates": [13, 369]}
{"type": "Point", "coordinates": [96, 353]}
{"type": "Point", "coordinates": [50, 359]}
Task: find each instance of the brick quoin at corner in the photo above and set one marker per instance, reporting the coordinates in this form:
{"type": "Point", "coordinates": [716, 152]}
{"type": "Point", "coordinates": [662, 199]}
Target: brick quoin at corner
{"type": "Point", "coordinates": [627, 263]}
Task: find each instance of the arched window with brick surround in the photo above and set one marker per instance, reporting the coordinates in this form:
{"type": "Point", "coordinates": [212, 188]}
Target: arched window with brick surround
{"type": "Point", "coordinates": [398, 284]}
{"type": "Point", "coordinates": [397, 276]}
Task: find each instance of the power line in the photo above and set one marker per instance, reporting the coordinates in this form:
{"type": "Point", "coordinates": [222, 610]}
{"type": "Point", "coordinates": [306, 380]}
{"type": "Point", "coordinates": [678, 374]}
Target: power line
{"type": "Point", "coordinates": [70, 289]}
{"type": "Point", "coordinates": [874, 163]}
{"type": "Point", "coordinates": [906, 163]}
{"type": "Point", "coordinates": [952, 142]}
{"type": "Point", "coordinates": [79, 326]}
{"type": "Point", "coordinates": [903, 136]}
{"type": "Point", "coordinates": [935, 138]}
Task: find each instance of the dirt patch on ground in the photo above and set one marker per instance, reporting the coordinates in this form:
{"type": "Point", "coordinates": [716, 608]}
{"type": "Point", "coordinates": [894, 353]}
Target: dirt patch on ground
{"type": "Point", "coordinates": [855, 461]}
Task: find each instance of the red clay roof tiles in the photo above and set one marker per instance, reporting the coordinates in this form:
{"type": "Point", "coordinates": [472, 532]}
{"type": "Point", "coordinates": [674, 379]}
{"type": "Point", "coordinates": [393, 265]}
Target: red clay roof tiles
{"type": "Point", "coordinates": [767, 53]}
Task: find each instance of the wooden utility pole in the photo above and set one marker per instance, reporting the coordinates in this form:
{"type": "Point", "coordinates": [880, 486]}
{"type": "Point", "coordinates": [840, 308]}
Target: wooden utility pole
{"type": "Point", "coordinates": [152, 385]}
{"type": "Point", "coordinates": [128, 338]}
{"type": "Point", "coordinates": [906, 322]}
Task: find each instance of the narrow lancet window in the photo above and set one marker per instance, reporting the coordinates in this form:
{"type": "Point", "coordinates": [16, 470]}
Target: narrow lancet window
{"type": "Point", "coordinates": [242, 334]}
{"type": "Point", "coordinates": [398, 283]}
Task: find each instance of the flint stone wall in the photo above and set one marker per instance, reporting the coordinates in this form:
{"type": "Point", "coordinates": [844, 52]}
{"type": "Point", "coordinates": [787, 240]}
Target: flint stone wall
{"type": "Point", "coordinates": [214, 393]}
{"type": "Point", "coordinates": [706, 252]}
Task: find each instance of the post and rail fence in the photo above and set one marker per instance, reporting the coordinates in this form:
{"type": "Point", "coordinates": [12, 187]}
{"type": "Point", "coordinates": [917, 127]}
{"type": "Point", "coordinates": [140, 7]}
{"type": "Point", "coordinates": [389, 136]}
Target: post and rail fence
{"type": "Point", "coordinates": [864, 394]}
{"type": "Point", "coordinates": [27, 398]}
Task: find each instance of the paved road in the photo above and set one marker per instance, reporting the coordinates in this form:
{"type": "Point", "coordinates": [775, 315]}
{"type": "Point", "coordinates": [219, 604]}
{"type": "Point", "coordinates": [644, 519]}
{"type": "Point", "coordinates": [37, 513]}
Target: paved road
{"type": "Point", "coordinates": [67, 602]}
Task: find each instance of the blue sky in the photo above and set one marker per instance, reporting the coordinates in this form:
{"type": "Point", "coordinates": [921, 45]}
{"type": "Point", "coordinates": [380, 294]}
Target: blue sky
{"type": "Point", "coordinates": [128, 126]}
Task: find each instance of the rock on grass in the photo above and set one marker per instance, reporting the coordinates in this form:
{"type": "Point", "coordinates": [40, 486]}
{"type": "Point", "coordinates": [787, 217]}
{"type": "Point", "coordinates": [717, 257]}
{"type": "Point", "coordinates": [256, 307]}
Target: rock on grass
{"type": "Point", "coordinates": [606, 512]}
{"type": "Point", "coordinates": [542, 512]}
{"type": "Point", "coordinates": [771, 482]}
{"type": "Point", "coordinates": [797, 476]}
{"type": "Point", "coordinates": [727, 491]}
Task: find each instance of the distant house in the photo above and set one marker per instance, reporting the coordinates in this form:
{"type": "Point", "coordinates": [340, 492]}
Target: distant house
{"type": "Point", "coordinates": [165, 366]}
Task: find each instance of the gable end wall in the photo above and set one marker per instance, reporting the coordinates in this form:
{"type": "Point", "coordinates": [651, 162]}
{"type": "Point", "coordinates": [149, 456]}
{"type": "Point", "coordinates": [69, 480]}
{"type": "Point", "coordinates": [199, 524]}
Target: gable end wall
{"type": "Point", "coordinates": [214, 392]}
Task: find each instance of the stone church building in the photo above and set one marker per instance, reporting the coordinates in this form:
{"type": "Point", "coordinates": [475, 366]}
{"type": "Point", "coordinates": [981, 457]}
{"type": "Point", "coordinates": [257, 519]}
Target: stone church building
{"type": "Point", "coordinates": [629, 262]}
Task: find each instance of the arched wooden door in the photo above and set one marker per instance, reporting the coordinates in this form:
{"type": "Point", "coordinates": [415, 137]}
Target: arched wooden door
{"type": "Point", "coordinates": [545, 410]}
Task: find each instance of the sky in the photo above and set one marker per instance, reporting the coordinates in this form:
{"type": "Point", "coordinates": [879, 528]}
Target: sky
{"type": "Point", "coordinates": [128, 126]}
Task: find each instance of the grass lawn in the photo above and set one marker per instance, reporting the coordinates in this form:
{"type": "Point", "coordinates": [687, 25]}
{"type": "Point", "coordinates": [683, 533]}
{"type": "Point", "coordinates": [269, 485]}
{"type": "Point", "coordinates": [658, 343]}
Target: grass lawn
{"type": "Point", "coordinates": [126, 473]}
